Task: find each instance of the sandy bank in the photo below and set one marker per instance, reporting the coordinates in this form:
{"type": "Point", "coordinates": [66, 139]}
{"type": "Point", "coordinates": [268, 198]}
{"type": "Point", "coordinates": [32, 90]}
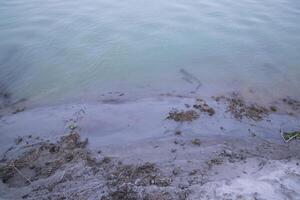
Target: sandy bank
{"type": "Point", "coordinates": [168, 147]}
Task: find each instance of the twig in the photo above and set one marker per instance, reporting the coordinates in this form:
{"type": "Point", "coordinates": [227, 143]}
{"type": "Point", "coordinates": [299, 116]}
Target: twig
{"type": "Point", "coordinates": [21, 173]}
{"type": "Point", "coordinates": [283, 136]}
{"type": "Point", "coordinates": [191, 79]}
{"type": "Point", "coordinates": [32, 145]}
{"type": "Point", "coordinates": [296, 135]}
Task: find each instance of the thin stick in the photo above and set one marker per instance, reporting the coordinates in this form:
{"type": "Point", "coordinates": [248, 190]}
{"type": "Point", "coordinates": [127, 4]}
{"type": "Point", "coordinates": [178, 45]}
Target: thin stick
{"type": "Point", "coordinates": [21, 173]}
{"type": "Point", "coordinates": [296, 135]}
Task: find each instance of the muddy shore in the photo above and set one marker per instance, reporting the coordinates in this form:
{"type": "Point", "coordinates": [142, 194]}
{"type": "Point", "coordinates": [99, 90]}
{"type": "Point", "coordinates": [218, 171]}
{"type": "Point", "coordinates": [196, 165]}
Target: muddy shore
{"type": "Point", "coordinates": [168, 147]}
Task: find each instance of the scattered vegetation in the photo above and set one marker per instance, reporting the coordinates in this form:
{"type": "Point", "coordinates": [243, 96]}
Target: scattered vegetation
{"type": "Point", "coordinates": [42, 159]}
{"type": "Point", "coordinates": [122, 193]}
{"type": "Point", "coordinates": [140, 175]}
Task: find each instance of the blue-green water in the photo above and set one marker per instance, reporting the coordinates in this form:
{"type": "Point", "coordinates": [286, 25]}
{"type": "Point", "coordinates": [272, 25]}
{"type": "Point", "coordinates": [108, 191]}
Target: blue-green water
{"type": "Point", "coordinates": [54, 49]}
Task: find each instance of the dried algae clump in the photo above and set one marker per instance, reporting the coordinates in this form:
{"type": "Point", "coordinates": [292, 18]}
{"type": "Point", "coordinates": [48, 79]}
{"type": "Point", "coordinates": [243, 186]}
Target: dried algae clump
{"type": "Point", "coordinates": [183, 116]}
{"type": "Point", "coordinates": [240, 109]}
{"type": "Point", "coordinates": [203, 107]}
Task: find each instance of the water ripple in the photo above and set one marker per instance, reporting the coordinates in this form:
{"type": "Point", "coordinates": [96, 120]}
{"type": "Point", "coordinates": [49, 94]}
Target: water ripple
{"type": "Point", "coordinates": [53, 48]}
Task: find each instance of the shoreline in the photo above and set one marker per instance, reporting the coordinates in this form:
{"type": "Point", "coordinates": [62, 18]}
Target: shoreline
{"type": "Point", "coordinates": [208, 148]}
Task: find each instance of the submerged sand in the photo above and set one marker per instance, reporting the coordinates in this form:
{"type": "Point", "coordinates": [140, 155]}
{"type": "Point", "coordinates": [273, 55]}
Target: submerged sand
{"type": "Point", "coordinates": [168, 147]}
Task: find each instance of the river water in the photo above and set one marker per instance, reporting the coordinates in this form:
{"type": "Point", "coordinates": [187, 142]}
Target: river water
{"type": "Point", "coordinates": [53, 49]}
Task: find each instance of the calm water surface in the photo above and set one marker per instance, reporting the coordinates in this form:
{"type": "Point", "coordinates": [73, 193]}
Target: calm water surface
{"type": "Point", "coordinates": [60, 49]}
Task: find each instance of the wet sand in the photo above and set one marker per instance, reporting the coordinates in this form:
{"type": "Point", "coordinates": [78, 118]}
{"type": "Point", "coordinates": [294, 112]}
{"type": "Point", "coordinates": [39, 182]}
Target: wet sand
{"type": "Point", "coordinates": [167, 147]}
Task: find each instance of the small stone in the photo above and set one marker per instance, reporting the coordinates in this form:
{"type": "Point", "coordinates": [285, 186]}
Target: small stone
{"type": "Point", "coordinates": [187, 105]}
{"type": "Point", "coordinates": [178, 133]}
{"type": "Point", "coordinates": [183, 186]}
{"type": "Point", "coordinates": [69, 157]}
{"type": "Point", "coordinates": [106, 160]}
{"type": "Point", "coordinates": [215, 161]}
{"type": "Point", "coordinates": [194, 172]}
{"type": "Point", "coordinates": [176, 171]}
{"type": "Point", "coordinates": [273, 108]}
{"type": "Point", "coordinates": [196, 142]}
{"type": "Point", "coordinates": [19, 110]}
{"type": "Point", "coordinates": [73, 127]}
{"type": "Point", "coordinates": [228, 153]}
{"type": "Point", "coordinates": [53, 148]}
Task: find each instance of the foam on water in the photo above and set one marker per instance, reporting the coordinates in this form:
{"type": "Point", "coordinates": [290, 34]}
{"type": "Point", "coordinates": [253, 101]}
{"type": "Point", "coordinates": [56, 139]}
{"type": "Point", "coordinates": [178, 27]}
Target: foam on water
{"type": "Point", "coordinates": [62, 49]}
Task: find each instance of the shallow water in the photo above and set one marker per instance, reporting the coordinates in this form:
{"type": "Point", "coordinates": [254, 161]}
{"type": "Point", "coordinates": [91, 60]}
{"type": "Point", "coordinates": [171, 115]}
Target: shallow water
{"type": "Point", "coordinates": [54, 49]}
